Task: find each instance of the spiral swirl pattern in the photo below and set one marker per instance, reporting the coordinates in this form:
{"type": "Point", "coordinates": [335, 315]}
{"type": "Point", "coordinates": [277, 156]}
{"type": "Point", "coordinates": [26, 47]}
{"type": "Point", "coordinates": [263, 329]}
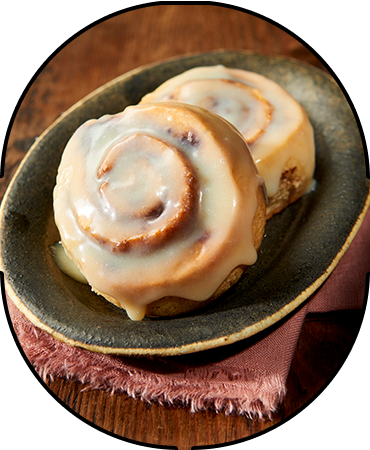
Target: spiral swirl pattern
{"type": "Point", "coordinates": [157, 201]}
{"type": "Point", "coordinates": [240, 104]}
{"type": "Point", "coordinates": [140, 199]}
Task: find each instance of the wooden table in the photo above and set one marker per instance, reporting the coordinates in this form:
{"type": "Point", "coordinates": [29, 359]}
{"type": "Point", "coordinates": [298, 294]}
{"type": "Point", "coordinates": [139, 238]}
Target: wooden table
{"type": "Point", "coordinates": [102, 53]}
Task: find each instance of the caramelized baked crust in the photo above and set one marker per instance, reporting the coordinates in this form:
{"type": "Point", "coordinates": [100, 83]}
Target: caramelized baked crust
{"type": "Point", "coordinates": [293, 184]}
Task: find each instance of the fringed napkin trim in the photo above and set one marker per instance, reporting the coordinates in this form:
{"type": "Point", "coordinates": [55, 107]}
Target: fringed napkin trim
{"type": "Point", "coordinates": [228, 391]}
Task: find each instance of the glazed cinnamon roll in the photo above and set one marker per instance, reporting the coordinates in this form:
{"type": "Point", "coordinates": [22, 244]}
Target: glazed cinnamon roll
{"type": "Point", "coordinates": [160, 207]}
{"type": "Point", "coordinates": [273, 123]}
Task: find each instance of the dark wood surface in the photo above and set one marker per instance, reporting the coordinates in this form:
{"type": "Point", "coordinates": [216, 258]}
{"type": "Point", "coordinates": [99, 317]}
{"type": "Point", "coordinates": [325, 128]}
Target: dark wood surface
{"type": "Point", "coordinates": [100, 54]}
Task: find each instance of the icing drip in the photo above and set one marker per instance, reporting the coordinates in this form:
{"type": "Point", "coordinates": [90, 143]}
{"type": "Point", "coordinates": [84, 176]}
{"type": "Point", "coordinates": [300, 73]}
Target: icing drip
{"type": "Point", "coordinates": [156, 201]}
{"type": "Point", "coordinates": [65, 264]}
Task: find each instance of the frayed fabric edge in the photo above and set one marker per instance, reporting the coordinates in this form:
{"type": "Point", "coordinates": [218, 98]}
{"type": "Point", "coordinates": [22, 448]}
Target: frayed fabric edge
{"type": "Point", "coordinates": [256, 397]}
{"type": "Point", "coordinates": [226, 399]}
{"type": "Point", "coordinates": [257, 401]}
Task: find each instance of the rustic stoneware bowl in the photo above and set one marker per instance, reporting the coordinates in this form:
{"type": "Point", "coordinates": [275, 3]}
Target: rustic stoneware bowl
{"type": "Point", "coordinates": [302, 245]}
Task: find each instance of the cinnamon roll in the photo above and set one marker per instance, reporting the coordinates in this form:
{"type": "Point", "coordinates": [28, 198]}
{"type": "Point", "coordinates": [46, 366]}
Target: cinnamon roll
{"type": "Point", "coordinates": [273, 123]}
{"type": "Point", "coordinates": [160, 207]}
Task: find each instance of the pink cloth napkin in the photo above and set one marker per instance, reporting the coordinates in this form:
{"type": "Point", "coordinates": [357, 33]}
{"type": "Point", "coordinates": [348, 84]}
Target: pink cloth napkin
{"type": "Point", "coordinates": [246, 378]}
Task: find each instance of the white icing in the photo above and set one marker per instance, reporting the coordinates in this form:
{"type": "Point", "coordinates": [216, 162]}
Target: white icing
{"type": "Point", "coordinates": [311, 187]}
{"type": "Point", "coordinates": [273, 123]}
{"type": "Point", "coordinates": [65, 264]}
{"type": "Point", "coordinates": [157, 201]}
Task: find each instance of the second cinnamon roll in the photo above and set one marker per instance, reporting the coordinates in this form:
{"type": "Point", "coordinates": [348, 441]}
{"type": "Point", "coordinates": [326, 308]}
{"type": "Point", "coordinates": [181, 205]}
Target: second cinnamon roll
{"type": "Point", "coordinates": [274, 124]}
